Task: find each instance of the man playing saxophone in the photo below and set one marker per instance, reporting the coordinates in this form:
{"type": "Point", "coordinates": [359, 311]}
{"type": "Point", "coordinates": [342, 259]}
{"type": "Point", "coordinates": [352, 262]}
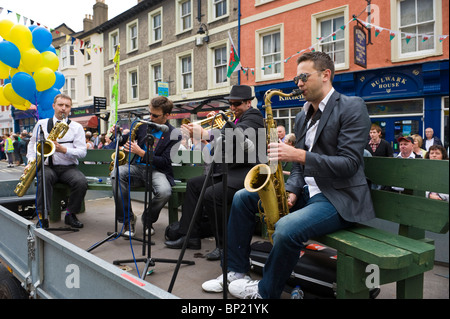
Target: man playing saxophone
{"type": "Point", "coordinates": [162, 175]}
{"type": "Point", "coordinates": [327, 189]}
{"type": "Point", "coordinates": [62, 165]}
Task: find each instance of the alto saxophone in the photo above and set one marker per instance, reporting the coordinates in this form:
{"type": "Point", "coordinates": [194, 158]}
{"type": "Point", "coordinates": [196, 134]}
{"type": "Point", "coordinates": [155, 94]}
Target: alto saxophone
{"type": "Point", "coordinates": [123, 155]}
{"type": "Point", "coordinates": [268, 180]}
{"type": "Point", "coordinates": [59, 130]}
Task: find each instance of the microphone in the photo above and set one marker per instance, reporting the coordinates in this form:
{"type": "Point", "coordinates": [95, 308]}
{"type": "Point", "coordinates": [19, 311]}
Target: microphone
{"type": "Point", "coordinates": [159, 127]}
{"type": "Point", "coordinates": [246, 144]}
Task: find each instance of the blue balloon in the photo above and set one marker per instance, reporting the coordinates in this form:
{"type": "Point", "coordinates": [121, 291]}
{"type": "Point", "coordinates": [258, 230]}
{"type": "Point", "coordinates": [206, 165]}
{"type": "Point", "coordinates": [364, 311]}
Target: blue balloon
{"type": "Point", "coordinates": [51, 48]}
{"type": "Point", "coordinates": [42, 38]}
{"type": "Point", "coordinates": [45, 102]}
{"type": "Point", "coordinates": [32, 27]}
{"type": "Point", "coordinates": [25, 86]}
{"type": "Point", "coordinates": [9, 54]}
{"type": "Point", "coordinates": [60, 80]}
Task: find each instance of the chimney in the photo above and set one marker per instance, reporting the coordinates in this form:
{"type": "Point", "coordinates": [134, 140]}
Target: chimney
{"type": "Point", "coordinates": [88, 23]}
{"type": "Point", "coordinates": [100, 12]}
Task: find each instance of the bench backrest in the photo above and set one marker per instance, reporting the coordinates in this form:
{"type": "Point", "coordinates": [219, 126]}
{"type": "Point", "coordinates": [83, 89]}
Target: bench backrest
{"type": "Point", "coordinates": [411, 209]}
{"type": "Point", "coordinates": [96, 163]}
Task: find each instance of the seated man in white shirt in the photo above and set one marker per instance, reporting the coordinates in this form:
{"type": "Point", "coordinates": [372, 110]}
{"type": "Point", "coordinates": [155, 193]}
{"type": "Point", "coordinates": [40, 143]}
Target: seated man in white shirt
{"type": "Point", "coordinates": [407, 147]}
{"type": "Point", "coordinates": [62, 165]}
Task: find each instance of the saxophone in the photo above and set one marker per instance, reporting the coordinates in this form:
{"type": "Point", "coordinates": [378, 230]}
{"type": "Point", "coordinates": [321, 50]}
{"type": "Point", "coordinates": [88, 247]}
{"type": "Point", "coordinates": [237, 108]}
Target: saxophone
{"type": "Point", "coordinates": [268, 180]}
{"type": "Point", "coordinates": [123, 155]}
{"type": "Point", "coordinates": [58, 131]}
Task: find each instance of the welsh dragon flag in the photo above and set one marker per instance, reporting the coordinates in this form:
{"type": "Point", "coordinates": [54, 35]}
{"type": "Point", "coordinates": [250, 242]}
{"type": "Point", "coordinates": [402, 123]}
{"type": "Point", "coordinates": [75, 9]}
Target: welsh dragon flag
{"type": "Point", "coordinates": [234, 63]}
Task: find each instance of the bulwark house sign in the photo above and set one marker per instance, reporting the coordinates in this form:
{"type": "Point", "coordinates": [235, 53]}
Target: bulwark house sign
{"type": "Point", "coordinates": [390, 84]}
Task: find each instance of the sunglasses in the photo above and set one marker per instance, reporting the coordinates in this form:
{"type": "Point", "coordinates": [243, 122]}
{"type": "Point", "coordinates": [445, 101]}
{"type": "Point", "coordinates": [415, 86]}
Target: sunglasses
{"type": "Point", "coordinates": [235, 104]}
{"type": "Point", "coordinates": [156, 115]}
{"type": "Point", "coordinates": [304, 77]}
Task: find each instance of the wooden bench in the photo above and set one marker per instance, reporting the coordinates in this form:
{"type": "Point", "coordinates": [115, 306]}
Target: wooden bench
{"type": "Point", "coordinates": [404, 257]}
{"type": "Point", "coordinates": [96, 165]}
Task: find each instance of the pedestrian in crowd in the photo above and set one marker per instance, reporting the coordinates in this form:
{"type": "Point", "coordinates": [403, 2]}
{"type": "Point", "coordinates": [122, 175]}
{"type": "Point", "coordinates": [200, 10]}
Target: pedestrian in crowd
{"type": "Point", "coordinates": [9, 149]}
{"type": "Point", "coordinates": [2, 148]}
{"type": "Point", "coordinates": [89, 143]}
{"type": "Point", "coordinates": [281, 131]}
{"type": "Point", "coordinates": [23, 146]}
{"type": "Point", "coordinates": [407, 147]}
{"type": "Point", "coordinates": [417, 147]}
{"type": "Point", "coordinates": [437, 152]}
{"type": "Point", "coordinates": [430, 139]}
{"type": "Point", "coordinates": [378, 146]}
{"type": "Point", "coordinates": [17, 157]}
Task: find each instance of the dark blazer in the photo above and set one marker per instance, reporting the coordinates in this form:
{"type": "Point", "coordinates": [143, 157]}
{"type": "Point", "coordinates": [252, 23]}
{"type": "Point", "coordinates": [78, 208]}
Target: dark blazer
{"type": "Point", "coordinates": [161, 155]}
{"type": "Point", "coordinates": [336, 159]}
{"type": "Point", "coordinates": [383, 149]}
{"type": "Point", "coordinates": [237, 171]}
{"type": "Point", "coordinates": [436, 141]}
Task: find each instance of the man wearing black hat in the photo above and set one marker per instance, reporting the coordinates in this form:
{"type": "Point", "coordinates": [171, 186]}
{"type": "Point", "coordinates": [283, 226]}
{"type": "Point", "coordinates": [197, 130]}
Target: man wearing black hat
{"type": "Point", "coordinates": [246, 117]}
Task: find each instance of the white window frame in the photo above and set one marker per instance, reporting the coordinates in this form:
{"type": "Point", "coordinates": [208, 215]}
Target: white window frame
{"type": "Point", "coordinates": [70, 88]}
{"type": "Point", "coordinates": [130, 98]}
{"type": "Point", "coordinates": [152, 81]}
{"type": "Point", "coordinates": [211, 62]}
{"type": "Point", "coordinates": [151, 27]}
{"type": "Point", "coordinates": [261, 2]}
{"type": "Point", "coordinates": [212, 10]}
{"type": "Point", "coordinates": [326, 15]}
{"type": "Point", "coordinates": [130, 38]}
{"type": "Point", "coordinates": [259, 61]}
{"type": "Point", "coordinates": [179, 59]}
{"type": "Point", "coordinates": [112, 47]}
{"type": "Point", "coordinates": [66, 56]}
{"type": "Point", "coordinates": [178, 16]}
{"type": "Point", "coordinates": [88, 85]}
{"type": "Point", "coordinates": [396, 52]}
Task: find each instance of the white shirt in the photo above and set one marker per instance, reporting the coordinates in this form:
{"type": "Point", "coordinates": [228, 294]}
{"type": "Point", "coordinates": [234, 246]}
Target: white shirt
{"type": "Point", "coordinates": [309, 140]}
{"type": "Point", "coordinates": [74, 140]}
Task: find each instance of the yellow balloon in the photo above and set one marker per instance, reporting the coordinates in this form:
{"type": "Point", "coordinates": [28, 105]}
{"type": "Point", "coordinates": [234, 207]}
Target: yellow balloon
{"type": "Point", "coordinates": [12, 96]}
{"type": "Point", "coordinates": [5, 28]}
{"type": "Point", "coordinates": [23, 107]}
{"type": "Point", "coordinates": [3, 99]}
{"type": "Point", "coordinates": [44, 78]}
{"type": "Point", "coordinates": [4, 70]}
{"type": "Point", "coordinates": [50, 60]}
{"type": "Point", "coordinates": [31, 59]}
{"type": "Point", "coordinates": [21, 36]}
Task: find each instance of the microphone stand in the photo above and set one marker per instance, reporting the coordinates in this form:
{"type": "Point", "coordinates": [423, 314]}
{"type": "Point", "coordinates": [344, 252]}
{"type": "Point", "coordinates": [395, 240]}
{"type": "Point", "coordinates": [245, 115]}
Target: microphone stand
{"type": "Point", "coordinates": [198, 208]}
{"type": "Point", "coordinates": [44, 222]}
{"type": "Point", "coordinates": [149, 261]}
{"type": "Point", "coordinates": [116, 233]}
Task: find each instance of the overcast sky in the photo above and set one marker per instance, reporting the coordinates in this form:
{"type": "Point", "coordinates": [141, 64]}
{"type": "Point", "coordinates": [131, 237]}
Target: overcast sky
{"type": "Point", "coordinates": [52, 13]}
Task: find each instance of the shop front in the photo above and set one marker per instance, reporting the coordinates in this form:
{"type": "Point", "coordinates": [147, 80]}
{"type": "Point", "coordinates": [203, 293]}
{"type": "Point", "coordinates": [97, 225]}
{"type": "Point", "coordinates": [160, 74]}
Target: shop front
{"type": "Point", "coordinates": [403, 100]}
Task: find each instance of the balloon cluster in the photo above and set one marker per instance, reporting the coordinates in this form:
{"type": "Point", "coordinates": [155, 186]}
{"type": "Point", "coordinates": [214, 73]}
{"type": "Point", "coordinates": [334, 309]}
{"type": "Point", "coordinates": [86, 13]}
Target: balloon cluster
{"type": "Point", "coordinates": [28, 65]}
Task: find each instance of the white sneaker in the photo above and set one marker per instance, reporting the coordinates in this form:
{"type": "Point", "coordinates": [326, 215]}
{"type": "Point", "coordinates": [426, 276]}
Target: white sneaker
{"type": "Point", "coordinates": [216, 285]}
{"type": "Point", "coordinates": [244, 289]}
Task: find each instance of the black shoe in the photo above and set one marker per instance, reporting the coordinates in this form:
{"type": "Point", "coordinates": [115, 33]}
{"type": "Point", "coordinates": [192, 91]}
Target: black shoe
{"type": "Point", "coordinates": [43, 222]}
{"type": "Point", "coordinates": [72, 220]}
{"type": "Point", "coordinates": [193, 243]}
{"type": "Point", "coordinates": [214, 255]}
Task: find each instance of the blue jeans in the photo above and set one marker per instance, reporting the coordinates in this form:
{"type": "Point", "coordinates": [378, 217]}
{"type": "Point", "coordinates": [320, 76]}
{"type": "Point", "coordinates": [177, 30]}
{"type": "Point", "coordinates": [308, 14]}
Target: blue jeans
{"type": "Point", "coordinates": [315, 217]}
{"type": "Point", "coordinates": [161, 190]}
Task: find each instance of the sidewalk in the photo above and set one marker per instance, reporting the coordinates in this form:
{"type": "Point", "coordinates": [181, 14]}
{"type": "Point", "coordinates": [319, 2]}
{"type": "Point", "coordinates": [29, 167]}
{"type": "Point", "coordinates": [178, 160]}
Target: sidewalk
{"type": "Point", "coordinates": [99, 219]}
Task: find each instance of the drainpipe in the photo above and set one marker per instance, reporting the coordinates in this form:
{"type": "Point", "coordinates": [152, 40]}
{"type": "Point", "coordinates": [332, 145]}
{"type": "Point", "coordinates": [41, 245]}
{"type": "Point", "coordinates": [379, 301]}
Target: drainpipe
{"type": "Point", "coordinates": [239, 38]}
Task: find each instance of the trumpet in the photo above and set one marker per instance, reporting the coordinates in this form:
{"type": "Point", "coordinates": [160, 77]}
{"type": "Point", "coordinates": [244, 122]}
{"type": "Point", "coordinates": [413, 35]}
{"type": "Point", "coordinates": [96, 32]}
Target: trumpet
{"type": "Point", "coordinates": [219, 122]}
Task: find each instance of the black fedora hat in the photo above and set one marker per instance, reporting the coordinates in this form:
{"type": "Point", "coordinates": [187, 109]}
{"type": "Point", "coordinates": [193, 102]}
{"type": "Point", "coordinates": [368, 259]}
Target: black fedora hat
{"type": "Point", "coordinates": [240, 92]}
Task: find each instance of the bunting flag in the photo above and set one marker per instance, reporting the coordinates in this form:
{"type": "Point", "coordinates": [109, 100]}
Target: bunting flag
{"type": "Point", "coordinates": [234, 62]}
{"type": "Point", "coordinates": [115, 89]}
{"type": "Point", "coordinates": [32, 22]}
